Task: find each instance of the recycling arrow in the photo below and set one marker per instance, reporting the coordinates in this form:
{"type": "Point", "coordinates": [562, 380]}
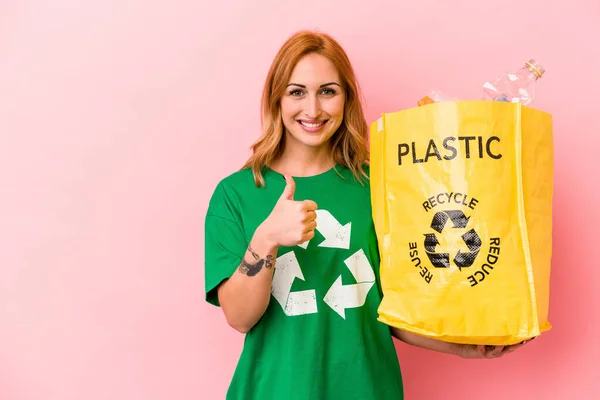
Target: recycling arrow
{"type": "Point", "coordinates": [340, 297]}
{"type": "Point", "coordinates": [336, 235]}
{"type": "Point", "coordinates": [471, 239]}
{"type": "Point", "coordinates": [430, 241]}
{"type": "Point", "coordinates": [439, 260]}
{"type": "Point", "coordinates": [473, 242]}
{"type": "Point", "coordinates": [293, 303]}
{"type": "Point", "coordinates": [458, 218]}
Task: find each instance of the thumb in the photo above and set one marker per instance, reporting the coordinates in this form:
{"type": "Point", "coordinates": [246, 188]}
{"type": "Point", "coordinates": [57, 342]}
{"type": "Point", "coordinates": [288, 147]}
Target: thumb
{"type": "Point", "coordinates": [290, 188]}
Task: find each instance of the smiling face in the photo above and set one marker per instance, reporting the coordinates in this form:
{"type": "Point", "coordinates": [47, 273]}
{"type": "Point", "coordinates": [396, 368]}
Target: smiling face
{"type": "Point", "coordinates": [312, 108]}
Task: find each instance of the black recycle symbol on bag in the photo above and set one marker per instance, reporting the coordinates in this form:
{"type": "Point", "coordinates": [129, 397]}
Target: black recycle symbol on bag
{"type": "Point", "coordinates": [471, 239]}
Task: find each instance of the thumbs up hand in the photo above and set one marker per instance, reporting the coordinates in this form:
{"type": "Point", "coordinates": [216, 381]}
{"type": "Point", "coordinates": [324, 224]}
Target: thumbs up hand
{"type": "Point", "coordinates": [291, 222]}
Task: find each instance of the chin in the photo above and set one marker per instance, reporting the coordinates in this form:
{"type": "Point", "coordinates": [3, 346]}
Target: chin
{"type": "Point", "coordinates": [311, 140]}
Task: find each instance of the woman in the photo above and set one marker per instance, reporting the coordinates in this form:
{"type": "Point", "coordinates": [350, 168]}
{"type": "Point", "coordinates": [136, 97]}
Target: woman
{"type": "Point", "coordinates": [291, 252]}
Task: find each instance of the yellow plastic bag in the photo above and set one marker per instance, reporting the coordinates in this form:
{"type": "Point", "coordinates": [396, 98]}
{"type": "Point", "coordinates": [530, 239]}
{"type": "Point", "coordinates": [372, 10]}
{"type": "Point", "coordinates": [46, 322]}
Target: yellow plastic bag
{"type": "Point", "coordinates": [462, 206]}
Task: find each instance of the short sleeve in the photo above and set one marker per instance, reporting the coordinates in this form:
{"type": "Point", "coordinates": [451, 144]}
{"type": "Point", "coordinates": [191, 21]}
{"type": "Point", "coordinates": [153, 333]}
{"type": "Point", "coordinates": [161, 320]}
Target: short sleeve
{"type": "Point", "coordinates": [224, 244]}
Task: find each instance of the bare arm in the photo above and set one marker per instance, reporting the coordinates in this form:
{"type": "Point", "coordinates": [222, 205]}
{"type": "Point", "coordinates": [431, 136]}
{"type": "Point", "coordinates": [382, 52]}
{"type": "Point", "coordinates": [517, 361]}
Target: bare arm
{"type": "Point", "coordinates": [425, 342]}
{"type": "Point", "coordinates": [245, 296]}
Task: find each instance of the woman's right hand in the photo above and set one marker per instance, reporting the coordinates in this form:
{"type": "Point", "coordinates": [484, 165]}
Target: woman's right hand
{"type": "Point", "coordinates": [291, 222]}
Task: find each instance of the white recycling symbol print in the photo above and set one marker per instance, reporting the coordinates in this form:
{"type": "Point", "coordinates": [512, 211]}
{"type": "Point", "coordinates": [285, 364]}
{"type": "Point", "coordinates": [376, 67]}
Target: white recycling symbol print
{"type": "Point", "coordinates": [339, 297]}
{"type": "Point", "coordinates": [336, 235]}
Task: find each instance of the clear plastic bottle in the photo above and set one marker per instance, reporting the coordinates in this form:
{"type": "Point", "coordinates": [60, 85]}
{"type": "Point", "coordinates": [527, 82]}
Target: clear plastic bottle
{"type": "Point", "coordinates": [517, 86]}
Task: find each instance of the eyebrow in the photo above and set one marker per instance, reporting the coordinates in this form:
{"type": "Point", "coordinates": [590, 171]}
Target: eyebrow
{"type": "Point", "coordinates": [323, 85]}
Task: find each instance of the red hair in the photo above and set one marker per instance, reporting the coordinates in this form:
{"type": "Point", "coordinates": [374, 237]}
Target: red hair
{"type": "Point", "coordinates": [349, 143]}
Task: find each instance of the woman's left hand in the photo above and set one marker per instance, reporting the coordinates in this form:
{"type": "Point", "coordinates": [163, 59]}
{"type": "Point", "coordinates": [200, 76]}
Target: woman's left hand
{"type": "Point", "coordinates": [478, 351]}
{"type": "Point", "coordinates": [461, 350]}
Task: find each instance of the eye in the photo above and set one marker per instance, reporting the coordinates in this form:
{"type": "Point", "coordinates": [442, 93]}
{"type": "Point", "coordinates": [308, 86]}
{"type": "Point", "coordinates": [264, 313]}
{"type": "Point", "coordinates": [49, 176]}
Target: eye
{"type": "Point", "coordinates": [296, 92]}
{"type": "Point", "coordinates": [328, 91]}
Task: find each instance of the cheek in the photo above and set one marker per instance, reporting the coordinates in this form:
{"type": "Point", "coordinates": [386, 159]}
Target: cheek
{"type": "Point", "coordinates": [289, 108]}
{"type": "Point", "coordinates": [335, 107]}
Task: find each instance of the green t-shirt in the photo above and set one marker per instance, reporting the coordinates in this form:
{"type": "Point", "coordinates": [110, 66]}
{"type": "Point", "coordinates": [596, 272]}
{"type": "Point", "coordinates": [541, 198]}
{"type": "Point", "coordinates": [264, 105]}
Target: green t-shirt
{"type": "Point", "coordinates": [319, 338]}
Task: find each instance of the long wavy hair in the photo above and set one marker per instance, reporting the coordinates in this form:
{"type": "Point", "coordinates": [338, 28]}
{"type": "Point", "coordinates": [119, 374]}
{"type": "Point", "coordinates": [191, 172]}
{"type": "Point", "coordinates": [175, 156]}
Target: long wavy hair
{"type": "Point", "coordinates": [349, 142]}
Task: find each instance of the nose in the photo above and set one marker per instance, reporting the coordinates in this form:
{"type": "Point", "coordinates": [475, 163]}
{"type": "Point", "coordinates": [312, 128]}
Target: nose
{"type": "Point", "coordinates": [313, 107]}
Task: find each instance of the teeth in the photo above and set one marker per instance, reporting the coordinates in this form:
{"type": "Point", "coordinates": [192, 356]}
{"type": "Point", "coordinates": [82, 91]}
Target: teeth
{"type": "Point", "coordinates": [311, 125]}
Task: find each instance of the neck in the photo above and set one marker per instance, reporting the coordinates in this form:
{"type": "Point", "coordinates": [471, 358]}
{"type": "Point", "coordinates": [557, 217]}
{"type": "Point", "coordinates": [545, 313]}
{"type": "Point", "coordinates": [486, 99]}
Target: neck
{"type": "Point", "coordinates": [304, 161]}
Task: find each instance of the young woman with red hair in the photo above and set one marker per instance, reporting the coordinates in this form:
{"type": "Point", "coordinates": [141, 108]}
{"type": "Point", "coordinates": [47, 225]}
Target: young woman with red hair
{"type": "Point", "coordinates": [291, 254]}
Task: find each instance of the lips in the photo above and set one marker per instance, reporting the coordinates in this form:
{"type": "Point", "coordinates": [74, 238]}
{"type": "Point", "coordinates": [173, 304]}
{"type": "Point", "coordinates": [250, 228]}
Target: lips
{"type": "Point", "coordinates": [311, 124]}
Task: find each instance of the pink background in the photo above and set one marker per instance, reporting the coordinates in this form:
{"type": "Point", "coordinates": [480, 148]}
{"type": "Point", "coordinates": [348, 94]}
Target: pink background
{"type": "Point", "coordinates": [118, 118]}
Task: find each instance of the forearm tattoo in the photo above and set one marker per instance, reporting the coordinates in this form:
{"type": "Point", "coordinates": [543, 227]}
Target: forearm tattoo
{"type": "Point", "coordinates": [249, 269]}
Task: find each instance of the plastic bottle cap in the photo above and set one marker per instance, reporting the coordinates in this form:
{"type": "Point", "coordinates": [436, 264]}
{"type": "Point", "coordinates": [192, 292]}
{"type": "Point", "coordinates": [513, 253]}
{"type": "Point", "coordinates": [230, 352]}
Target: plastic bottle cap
{"type": "Point", "coordinates": [536, 67]}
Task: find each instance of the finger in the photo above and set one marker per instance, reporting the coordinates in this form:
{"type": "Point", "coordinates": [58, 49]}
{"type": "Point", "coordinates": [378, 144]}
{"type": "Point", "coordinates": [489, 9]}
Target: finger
{"type": "Point", "coordinates": [497, 351]}
{"type": "Point", "coordinates": [307, 236]}
{"type": "Point", "coordinates": [480, 350]}
{"type": "Point", "coordinates": [290, 188]}
{"type": "Point", "coordinates": [513, 347]}
{"type": "Point", "coordinates": [309, 205]}
{"type": "Point", "coordinates": [310, 216]}
{"type": "Point", "coordinates": [310, 226]}
{"type": "Point", "coordinates": [489, 351]}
